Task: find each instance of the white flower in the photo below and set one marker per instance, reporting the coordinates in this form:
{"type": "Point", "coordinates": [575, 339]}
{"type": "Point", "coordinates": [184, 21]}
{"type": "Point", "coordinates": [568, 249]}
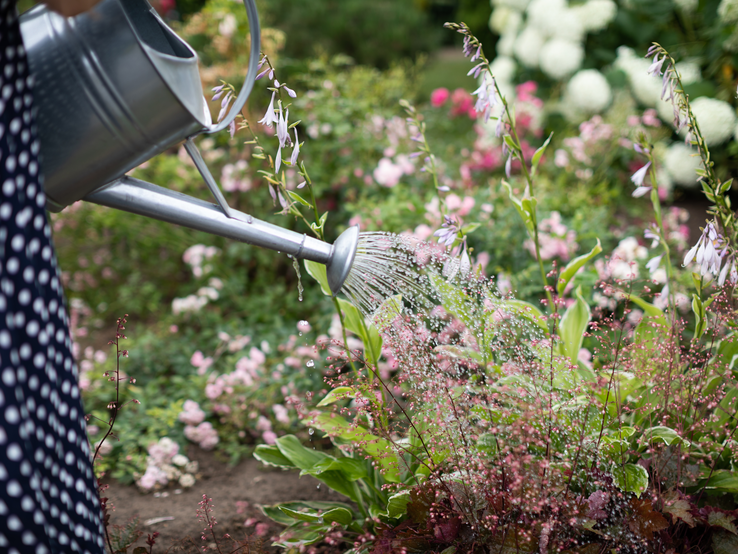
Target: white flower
{"type": "Point", "coordinates": [688, 6]}
{"type": "Point", "coordinates": [503, 68]}
{"type": "Point", "coordinates": [187, 480]}
{"type": "Point", "coordinates": [681, 163]}
{"type": "Point", "coordinates": [180, 460]}
{"type": "Point", "coordinates": [708, 252]}
{"type": "Point", "coordinates": [560, 58]}
{"type": "Point", "coordinates": [589, 91]}
{"type": "Point", "coordinates": [528, 47]}
{"type": "Point", "coordinates": [555, 20]}
{"type": "Point", "coordinates": [518, 5]}
{"type": "Point", "coordinates": [505, 20]}
{"type": "Point", "coordinates": [595, 15]}
{"type": "Point", "coordinates": [728, 11]}
{"type": "Point", "coordinates": [716, 119]}
{"type": "Point", "coordinates": [228, 25]}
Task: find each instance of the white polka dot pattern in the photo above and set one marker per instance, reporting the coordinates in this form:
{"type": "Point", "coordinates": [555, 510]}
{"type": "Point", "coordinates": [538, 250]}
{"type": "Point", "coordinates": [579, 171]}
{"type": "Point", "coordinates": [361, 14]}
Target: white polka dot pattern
{"type": "Point", "coordinates": [48, 494]}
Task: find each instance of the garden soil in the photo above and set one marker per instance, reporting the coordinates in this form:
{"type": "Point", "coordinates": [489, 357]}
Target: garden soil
{"type": "Point", "coordinates": [236, 492]}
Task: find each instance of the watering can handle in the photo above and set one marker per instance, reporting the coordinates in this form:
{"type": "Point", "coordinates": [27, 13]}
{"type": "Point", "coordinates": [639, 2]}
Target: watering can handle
{"type": "Point", "coordinates": [248, 83]}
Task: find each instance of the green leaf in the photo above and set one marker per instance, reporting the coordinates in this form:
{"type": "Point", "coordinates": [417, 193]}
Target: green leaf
{"type": "Point", "coordinates": [311, 517]}
{"type": "Point", "coordinates": [279, 512]}
{"type": "Point", "coordinates": [390, 309]}
{"type": "Point", "coordinates": [379, 449]}
{"type": "Point", "coordinates": [539, 154]}
{"type": "Point", "coordinates": [510, 142]}
{"type": "Point", "coordinates": [454, 300]}
{"type": "Point", "coordinates": [725, 187]}
{"type": "Point", "coordinates": [519, 207]}
{"type": "Point", "coordinates": [318, 272]}
{"type": "Point", "coordinates": [526, 310]}
{"type": "Point", "coordinates": [723, 480]}
{"type": "Point", "coordinates": [700, 323]}
{"type": "Point", "coordinates": [352, 469]}
{"type": "Point", "coordinates": [459, 352]}
{"type": "Point", "coordinates": [397, 504]}
{"type": "Point", "coordinates": [271, 455]}
{"type": "Point", "coordinates": [339, 393]}
{"type": "Point", "coordinates": [344, 516]}
{"type": "Point", "coordinates": [354, 322]}
{"type": "Point", "coordinates": [573, 266]}
{"type": "Point", "coordinates": [573, 325]}
{"type": "Point", "coordinates": [470, 228]}
{"type": "Point", "coordinates": [297, 198]}
{"type": "Point", "coordinates": [630, 478]}
{"type": "Point", "coordinates": [300, 456]}
{"type": "Point", "coordinates": [666, 434]}
{"type": "Point", "coordinates": [653, 327]}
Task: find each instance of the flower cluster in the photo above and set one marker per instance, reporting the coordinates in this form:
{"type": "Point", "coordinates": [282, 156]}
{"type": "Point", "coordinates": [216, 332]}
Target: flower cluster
{"type": "Point", "coordinates": [165, 464]}
{"type": "Point", "coordinates": [556, 240]}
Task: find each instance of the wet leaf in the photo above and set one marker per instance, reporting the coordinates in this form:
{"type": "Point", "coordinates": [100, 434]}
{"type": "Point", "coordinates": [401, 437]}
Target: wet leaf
{"type": "Point", "coordinates": [567, 274]}
{"type": "Point", "coordinates": [723, 480]}
{"type": "Point", "coordinates": [724, 543]}
{"type": "Point", "coordinates": [679, 508]}
{"type": "Point", "coordinates": [666, 434]}
{"type": "Point", "coordinates": [271, 455]}
{"type": "Point", "coordinates": [646, 521]}
{"type": "Point", "coordinates": [339, 393]}
{"type": "Point", "coordinates": [397, 504]}
{"type": "Point", "coordinates": [318, 272]}
{"type": "Point", "coordinates": [630, 478]}
{"type": "Point", "coordinates": [573, 325]}
{"type": "Point", "coordinates": [718, 518]}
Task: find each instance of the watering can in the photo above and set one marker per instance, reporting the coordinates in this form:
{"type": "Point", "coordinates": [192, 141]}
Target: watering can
{"type": "Point", "coordinates": [114, 87]}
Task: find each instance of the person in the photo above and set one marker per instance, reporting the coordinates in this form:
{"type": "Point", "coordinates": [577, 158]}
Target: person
{"type": "Point", "coordinates": [48, 492]}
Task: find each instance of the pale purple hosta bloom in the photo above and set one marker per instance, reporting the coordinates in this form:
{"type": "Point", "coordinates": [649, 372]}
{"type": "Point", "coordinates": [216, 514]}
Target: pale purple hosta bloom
{"type": "Point", "coordinates": [270, 117]}
{"type": "Point", "coordinates": [301, 185]}
{"type": "Point", "coordinates": [649, 234]}
{"type": "Point", "coordinates": [468, 48]}
{"type": "Point", "coordinates": [224, 105]}
{"type": "Point", "coordinates": [508, 165]}
{"type": "Point", "coordinates": [289, 91]}
{"type": "Point", "coordinates": [218, 91]}
{"type": "Point", "coordinates": [653, 264]}
{"type": "Point", "coordinates": [638, 178]}
{"type": "Point", "coordinates": [282, 128]}
{"type": "Point", "coordinates": [263, 72]}
{"type": "Point", "coordinates": [707, 251]}
{"type": "Point", "coordinates": [640, 149]}
{"type": "Point", "coordinates": [295, 150]}
{"type": "Point", "coordinates": [656, 66]}
{"type": "Point", "coordinates": [486, 99]}
{"type": "Point", "coordinates": [278, 159]}
{"type": "Point", "coordinates": [232, 128]}
{"type": "Point", "coordinates": [448, 231]}
{"type": "Point", "coordinates": [476, 70]}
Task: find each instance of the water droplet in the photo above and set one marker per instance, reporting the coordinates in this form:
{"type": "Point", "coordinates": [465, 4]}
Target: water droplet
{"type": "Point", "coordinates": [318, 485]}
{"type": "Point", "coordinates": [311, 431]}
{"type": "Point", "coordinates": [310, 363]}
{"type": "Point", "coordinates": [249, 219]}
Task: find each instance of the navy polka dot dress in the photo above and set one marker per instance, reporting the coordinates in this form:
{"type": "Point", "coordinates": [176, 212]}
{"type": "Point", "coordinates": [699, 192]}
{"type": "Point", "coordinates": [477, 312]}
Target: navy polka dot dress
{"type": "Point", "coordinates": [48, 494]}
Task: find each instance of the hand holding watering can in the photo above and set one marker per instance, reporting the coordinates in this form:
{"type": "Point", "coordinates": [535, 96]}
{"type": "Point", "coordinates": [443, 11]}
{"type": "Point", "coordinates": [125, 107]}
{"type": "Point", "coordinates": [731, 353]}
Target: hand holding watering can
{"type": "Point", "coordinates": [115, 86]}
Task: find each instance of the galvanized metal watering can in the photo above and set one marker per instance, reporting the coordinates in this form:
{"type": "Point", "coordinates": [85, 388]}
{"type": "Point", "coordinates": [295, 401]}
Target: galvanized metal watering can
{"type": "Point", "coordinates": [114, 87]}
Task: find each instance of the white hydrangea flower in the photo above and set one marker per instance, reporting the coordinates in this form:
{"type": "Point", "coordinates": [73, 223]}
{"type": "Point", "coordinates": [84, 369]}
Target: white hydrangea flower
{"type": "Point", "coordinates": [528, 46]}
{"type": "Point", "coordinates": [728, 11]}
{"type": "Point", "coordinates": [589, 91]}
{"type": "Point", "coordinates": [687, 6]}
{"type": "Point", "coordinates": [554, 19]}
{"type": "Point", "coordinates": [560, 58]}
{"type": "Point", "coordinates": [681, 164]}
{"type": "Point", "coordinates": [505, 20]}
{"type": "Point", "coordinates": [716, 119]}
{"type": "Point", "coordinates": [595, 15]}
{"type": "Point", "coordinates": [645, 87]}
{"type": "Point", "coordinates": [518, 5]}
{"type": "Point", "coordinates": [503, 68]}
{"type": "Point", "coordinates": [506, 45]}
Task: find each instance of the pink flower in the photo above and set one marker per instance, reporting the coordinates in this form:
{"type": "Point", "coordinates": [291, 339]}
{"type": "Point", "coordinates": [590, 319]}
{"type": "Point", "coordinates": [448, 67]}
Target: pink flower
{"type": "Point", "coordinates": [270, 437]}
{"type": "Point", "coordinates": [191, 413]}
{"type": "Point", "coordinates": [526, 90]}
{"type": "Point", "coordinates": [280, 412]}
{"type": "Point", "coordinates": [439, 97]}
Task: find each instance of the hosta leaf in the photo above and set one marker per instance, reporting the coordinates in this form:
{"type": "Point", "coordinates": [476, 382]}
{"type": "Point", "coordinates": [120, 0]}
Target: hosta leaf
{"type": "Point", "coordinates": [630, 478]}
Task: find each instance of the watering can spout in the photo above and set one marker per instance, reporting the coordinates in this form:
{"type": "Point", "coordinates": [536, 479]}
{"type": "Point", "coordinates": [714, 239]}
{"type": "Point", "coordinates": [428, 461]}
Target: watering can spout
{"type": "Point", "coordinates": [149, 200]}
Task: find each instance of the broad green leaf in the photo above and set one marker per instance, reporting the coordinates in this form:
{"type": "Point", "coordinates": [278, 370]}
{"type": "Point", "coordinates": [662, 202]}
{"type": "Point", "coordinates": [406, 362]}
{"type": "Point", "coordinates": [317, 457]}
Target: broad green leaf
{"type": "Point", "coordinates": [666, 434]}
{"type": "Point", "coordinates": [573, 325]}
{"type": "Point", "coordinates": [271, 455]}
{"type": "Point", "coordinates": [648, 308]}
{"type": "Point", "coordinates": [339, 393]}
{"type": "Point", "coordinates": [539, 154]}
{"type": "Point", "coordinates": [390, 309]}
{"type": "Point", "coordinates": [723, 480]}
{"type": "Point", "coordinates": [352, 469]}
{"type": "Point", "coordinates": [459, 352]}
{"type": "Point", "coordinates": [344, 516]}
{"type": "Point", "coordinates": [454, 300]}
{"type": "Point", "coordinates": [300, 456]}
{"type": "Point", "coordinates": [297, 198]}
{"type": "Point", "coordinates": [567, 274]}
{"type": "Point", "coordinates": [653, 327]}
{"type": "Point", "coordinates": [354, 322]}
{"type": "Point", "coordinates": [470, 228]}
{"type": "Point", "coordinates": [277, 512]}
{"type": "Point", "coordinates": [526, 310]}
{"type": "Point", "coordinates": [318, 272]}
{"type": "Point", "coordinates": [379, 449]}
{"type": "Point", "coordinates": [630, 478]}
{"type": "Point", "coordinates": [311, 517]}
{"type": "Point", "coordinates": [397, 504]}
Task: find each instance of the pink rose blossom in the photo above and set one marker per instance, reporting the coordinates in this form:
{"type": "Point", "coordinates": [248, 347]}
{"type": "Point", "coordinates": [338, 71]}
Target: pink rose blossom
{"type": "Point", "coordinates": [439, 97]}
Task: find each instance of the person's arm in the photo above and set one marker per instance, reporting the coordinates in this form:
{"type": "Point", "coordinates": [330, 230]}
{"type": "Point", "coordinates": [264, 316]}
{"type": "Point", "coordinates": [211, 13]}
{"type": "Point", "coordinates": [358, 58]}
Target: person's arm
{"type": "Point", "coordinates": [69, 8]}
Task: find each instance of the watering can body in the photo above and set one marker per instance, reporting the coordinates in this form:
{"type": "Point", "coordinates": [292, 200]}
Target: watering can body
{"type": "Point", "coordinates": [114, 87]}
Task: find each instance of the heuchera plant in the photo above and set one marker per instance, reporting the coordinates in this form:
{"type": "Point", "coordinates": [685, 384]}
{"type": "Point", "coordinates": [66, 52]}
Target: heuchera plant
{"type": "Point", "coordinates": [492, 433]}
